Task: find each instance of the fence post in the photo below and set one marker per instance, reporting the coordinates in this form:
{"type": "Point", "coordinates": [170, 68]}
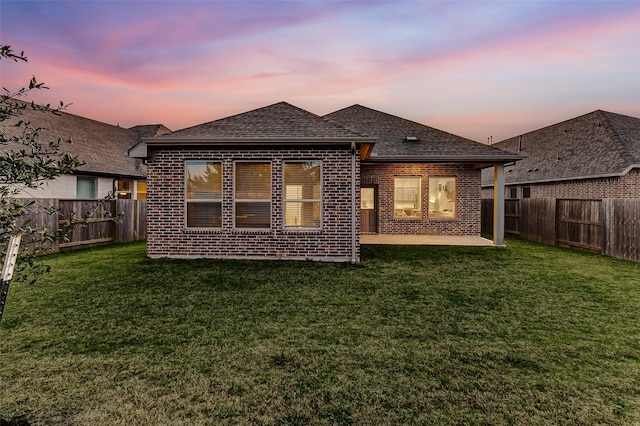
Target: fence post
{"type": "Point", "coordinates": [7, 269]}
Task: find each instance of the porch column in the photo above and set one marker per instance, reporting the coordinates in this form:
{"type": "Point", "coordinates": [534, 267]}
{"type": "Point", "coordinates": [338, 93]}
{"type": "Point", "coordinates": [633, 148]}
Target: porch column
{"type": "Point", "coordinates": [498, 204]}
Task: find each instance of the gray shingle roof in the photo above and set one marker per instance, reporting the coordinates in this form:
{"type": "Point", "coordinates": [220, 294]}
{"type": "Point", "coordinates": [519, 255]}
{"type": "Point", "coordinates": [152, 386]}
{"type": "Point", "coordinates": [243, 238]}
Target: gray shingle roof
{"type": "Point", "coordinates": [431, 144]}
{"type": "Point", "coordinates": [280, 120]}
{"type": "Point", "coordinates": [101, 146]}
{"type": "Point", "coordinates": [593, 145]}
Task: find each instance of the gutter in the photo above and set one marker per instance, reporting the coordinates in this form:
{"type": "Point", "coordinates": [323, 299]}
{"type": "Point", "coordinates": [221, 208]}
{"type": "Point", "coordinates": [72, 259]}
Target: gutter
{"type": "Point", "coordinates": [565, 179]}
{"type": "Point", "coordinates": [443, 159]}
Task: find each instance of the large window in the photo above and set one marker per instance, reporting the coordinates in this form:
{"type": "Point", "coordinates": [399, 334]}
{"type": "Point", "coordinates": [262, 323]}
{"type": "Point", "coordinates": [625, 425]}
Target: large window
{"type": "Point", "coordinates": [204, 194]}
{"type": "Point", "coordinates": [302, 182]}
{"type": "Point", "coordinates": [252, 195]}
{"type": "Point", "coordinates": [407, 197]}
{"type": "Point", "coordinates": [442, 197]}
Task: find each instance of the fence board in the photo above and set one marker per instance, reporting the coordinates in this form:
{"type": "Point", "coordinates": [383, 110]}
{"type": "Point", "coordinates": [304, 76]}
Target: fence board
{"type": "Point", "coordinates": [579, 223]}
{"type": "Point", "coordinates": [622, 233]}
{"type": "Point", "coordinates": [538, 219]}
{"type": "Point", "coordinates": [610, 226]}
{"type": "Point", "coordinates": [99, 228]}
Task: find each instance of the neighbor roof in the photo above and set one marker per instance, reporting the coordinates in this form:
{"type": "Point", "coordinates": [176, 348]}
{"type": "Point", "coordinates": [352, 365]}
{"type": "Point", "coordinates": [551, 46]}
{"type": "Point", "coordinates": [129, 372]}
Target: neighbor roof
{"type": "Point", "coordinates": [399, 139]}
{"type": "Point", "coordinates": [102, 147]}
{"type": "Point", "coordinates": [598, 144]}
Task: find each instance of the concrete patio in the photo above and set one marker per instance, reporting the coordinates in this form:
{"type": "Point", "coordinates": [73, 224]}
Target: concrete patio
{"type": "Point", "coordinates": [426, 240]}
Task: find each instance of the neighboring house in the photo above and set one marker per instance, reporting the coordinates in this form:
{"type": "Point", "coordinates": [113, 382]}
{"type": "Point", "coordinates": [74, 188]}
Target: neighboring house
{"type": "Point", "coordinates": [596, 155]}
{"type": "Point", "coordinates": [280, 182]}
{"type": "Point", "coordinates": [102, 147]}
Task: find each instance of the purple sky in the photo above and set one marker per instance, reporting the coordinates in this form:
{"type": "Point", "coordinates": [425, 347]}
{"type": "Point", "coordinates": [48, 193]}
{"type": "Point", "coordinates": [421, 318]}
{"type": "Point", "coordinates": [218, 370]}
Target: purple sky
{"type": "Point", "coordinates": [473, 68]}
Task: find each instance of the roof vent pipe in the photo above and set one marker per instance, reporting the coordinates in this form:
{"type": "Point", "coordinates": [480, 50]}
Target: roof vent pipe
{"type": "Point", "coordinates": [520, 143]}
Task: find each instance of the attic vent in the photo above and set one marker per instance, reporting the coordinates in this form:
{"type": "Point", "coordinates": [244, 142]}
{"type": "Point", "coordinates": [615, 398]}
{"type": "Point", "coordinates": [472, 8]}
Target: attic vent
{"type": "Point", "coordinates": [411, 138]}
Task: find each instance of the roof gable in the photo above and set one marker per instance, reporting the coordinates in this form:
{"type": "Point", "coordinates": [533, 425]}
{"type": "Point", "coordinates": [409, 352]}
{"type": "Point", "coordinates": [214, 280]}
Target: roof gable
{"type": "Point", "coordinates": [596, 144]}
{"type": "Point", "coordinates": [281, 120]}
{"type": "Point", "coordinates": [399, 138]}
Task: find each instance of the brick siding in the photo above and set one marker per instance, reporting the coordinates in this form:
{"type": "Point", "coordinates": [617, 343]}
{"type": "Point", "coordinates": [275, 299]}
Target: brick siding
{"type": "Point", "coordinates": [468, 214]}
{"type": "Point", "coordinates": [627, 186]}
{"type": "Point", "coordinates": [167, 235]}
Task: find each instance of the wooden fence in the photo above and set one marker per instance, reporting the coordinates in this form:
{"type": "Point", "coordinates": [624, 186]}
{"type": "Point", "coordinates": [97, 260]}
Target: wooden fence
{"type": "Point", "coordinates": [610, 226]}
{"type": "Point", "coordinates": [112, 221]}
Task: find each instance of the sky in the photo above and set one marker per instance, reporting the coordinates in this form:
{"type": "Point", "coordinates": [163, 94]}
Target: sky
{"type": "Point", "coordinates": [485, 70]}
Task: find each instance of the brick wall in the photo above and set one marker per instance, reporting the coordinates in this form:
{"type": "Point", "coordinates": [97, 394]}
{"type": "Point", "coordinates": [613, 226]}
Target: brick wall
{"type": "Point", "coordinates": [468, 213]}
{"type": "Point", "coordinates": [167, 235]}
{"type": "Point", "coordinates": [627, 186]}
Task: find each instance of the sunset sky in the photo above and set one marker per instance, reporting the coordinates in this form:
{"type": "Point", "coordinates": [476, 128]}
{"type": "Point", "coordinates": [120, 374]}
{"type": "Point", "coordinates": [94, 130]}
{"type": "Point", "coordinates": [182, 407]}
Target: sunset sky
{"type": "Point", "coordinates": [474, 68]}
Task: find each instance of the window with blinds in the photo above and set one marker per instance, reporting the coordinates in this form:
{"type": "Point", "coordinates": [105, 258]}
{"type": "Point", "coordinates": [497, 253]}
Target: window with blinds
{"type": "Point", "coordinates": [407, 199]}
{"type": "Point", "coordinates": [252, 195]}
{"type": "Point", "coordinates": [302, 183]}
{"type": "Point", "coordinates": [203, 194]}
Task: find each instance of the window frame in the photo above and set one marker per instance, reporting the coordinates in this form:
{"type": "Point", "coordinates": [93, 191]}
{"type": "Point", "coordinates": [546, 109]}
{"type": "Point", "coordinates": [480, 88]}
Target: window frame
{"type": "Point", "coordinates": [302, 200]}
{"type": "Point", "coordinates": [87, 179]}
{"type": "Point", "coordinates": [418, 211]}
{"type": "Point", "coordinates": [194, 200]}
{"type": "Point", "coordinates": [431, 213]}
{"type": "Point", "coordinates": [513, 192]}
{"type": "Point", "coordinates": [526, 191]}
{"type": "Point", "coordinates": [235, 201]}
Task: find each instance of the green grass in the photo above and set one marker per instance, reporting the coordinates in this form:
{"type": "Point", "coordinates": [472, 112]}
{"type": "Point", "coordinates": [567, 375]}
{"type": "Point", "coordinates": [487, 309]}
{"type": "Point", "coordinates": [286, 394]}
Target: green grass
{"type": "Point", "coordinates": [414, 335]}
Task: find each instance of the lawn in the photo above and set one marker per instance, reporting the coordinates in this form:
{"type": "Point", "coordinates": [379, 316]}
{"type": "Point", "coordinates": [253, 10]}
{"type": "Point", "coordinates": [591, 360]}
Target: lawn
{"type": "Point", "coordinates": [413, 335]}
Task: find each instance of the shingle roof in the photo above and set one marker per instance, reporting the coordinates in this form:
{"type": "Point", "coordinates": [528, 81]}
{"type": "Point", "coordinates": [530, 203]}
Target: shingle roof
{"type": "Point", "coordinates": [593, 145]}
{"type": "Point", "coordinates": [392, 133]}
{"type": "Point", "coordinates": [150, 130]}
{"type": "Point", "coordinates": [102, 147]}
{"type": "Point", "coordinates": [280, 120]}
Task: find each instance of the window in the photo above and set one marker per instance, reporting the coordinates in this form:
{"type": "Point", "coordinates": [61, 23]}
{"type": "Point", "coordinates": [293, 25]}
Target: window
{"type": "Point", "coordinates": [123, 189]}
{"type": "Point", "coordinates": [204, 194]}
{"type": "Point", "coordinates": [526, 191]}
{"type": "Point", "coordinates": [442, 197]}
{"type": "Point", "coordinates": [302, 194]}
{"type": "Point", "coordinates": [141, 190]}
{"type": "Point", "coordinates": [252, 195]}
{"type": "Point", "coordinates": [407, 197]}
{"type": "Point", "coordinates": [85, 187]}
{"type": "Point", "coordinates": [513, 192]}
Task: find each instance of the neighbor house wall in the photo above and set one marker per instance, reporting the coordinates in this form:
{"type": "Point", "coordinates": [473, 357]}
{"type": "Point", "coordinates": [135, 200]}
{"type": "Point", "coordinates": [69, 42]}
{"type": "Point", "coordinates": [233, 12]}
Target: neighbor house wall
{"type": "Point", "coordinates": [627, 186]}
{"type": "Point", "coordinates": [167, 235]}
{"type": "Point", "coordinates": [65, 187]}
{"type": "Point", "coordinates": [468, 214]}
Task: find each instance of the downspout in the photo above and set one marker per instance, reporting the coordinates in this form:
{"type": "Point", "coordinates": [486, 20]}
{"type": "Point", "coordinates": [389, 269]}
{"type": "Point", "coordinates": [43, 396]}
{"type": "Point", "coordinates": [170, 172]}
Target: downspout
{"type": "Point", "coordinates": [353, 203]}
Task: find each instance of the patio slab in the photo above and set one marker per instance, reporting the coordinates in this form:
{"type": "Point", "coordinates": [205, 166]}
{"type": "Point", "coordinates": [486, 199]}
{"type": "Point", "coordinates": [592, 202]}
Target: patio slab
{"type": "Point", "coordinates": [426, 240]}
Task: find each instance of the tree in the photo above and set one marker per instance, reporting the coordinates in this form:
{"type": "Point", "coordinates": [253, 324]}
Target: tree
{"type": "Point", "coordinates": [27, 162]}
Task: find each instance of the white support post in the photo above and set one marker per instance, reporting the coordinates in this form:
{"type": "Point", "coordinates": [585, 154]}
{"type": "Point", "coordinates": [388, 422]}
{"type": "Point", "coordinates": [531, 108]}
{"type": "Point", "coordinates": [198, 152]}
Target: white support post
{"type": "Point", "coordinates": [498, 205]}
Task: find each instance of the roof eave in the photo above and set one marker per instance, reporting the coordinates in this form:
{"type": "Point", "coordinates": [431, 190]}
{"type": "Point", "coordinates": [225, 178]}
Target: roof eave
{"type": "Point", "coordinates": [141, 149]}
{"type": "Point", "coordinates": [474, 159]}
{"type": "Point", "coordinates": [564, 179]}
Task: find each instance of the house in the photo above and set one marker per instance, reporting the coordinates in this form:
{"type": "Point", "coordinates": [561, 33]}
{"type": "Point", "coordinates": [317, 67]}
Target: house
{"type": "Point", "coordinates": [596, 155]}
{"type": "Point", "coordinates": [280, 182]}
{"type": "Point", "coordinates": [102, 147]}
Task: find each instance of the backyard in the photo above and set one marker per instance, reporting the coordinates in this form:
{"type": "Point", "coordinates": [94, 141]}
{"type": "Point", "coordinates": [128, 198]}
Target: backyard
{"type": "Point", "coordinates": [530, 334]}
